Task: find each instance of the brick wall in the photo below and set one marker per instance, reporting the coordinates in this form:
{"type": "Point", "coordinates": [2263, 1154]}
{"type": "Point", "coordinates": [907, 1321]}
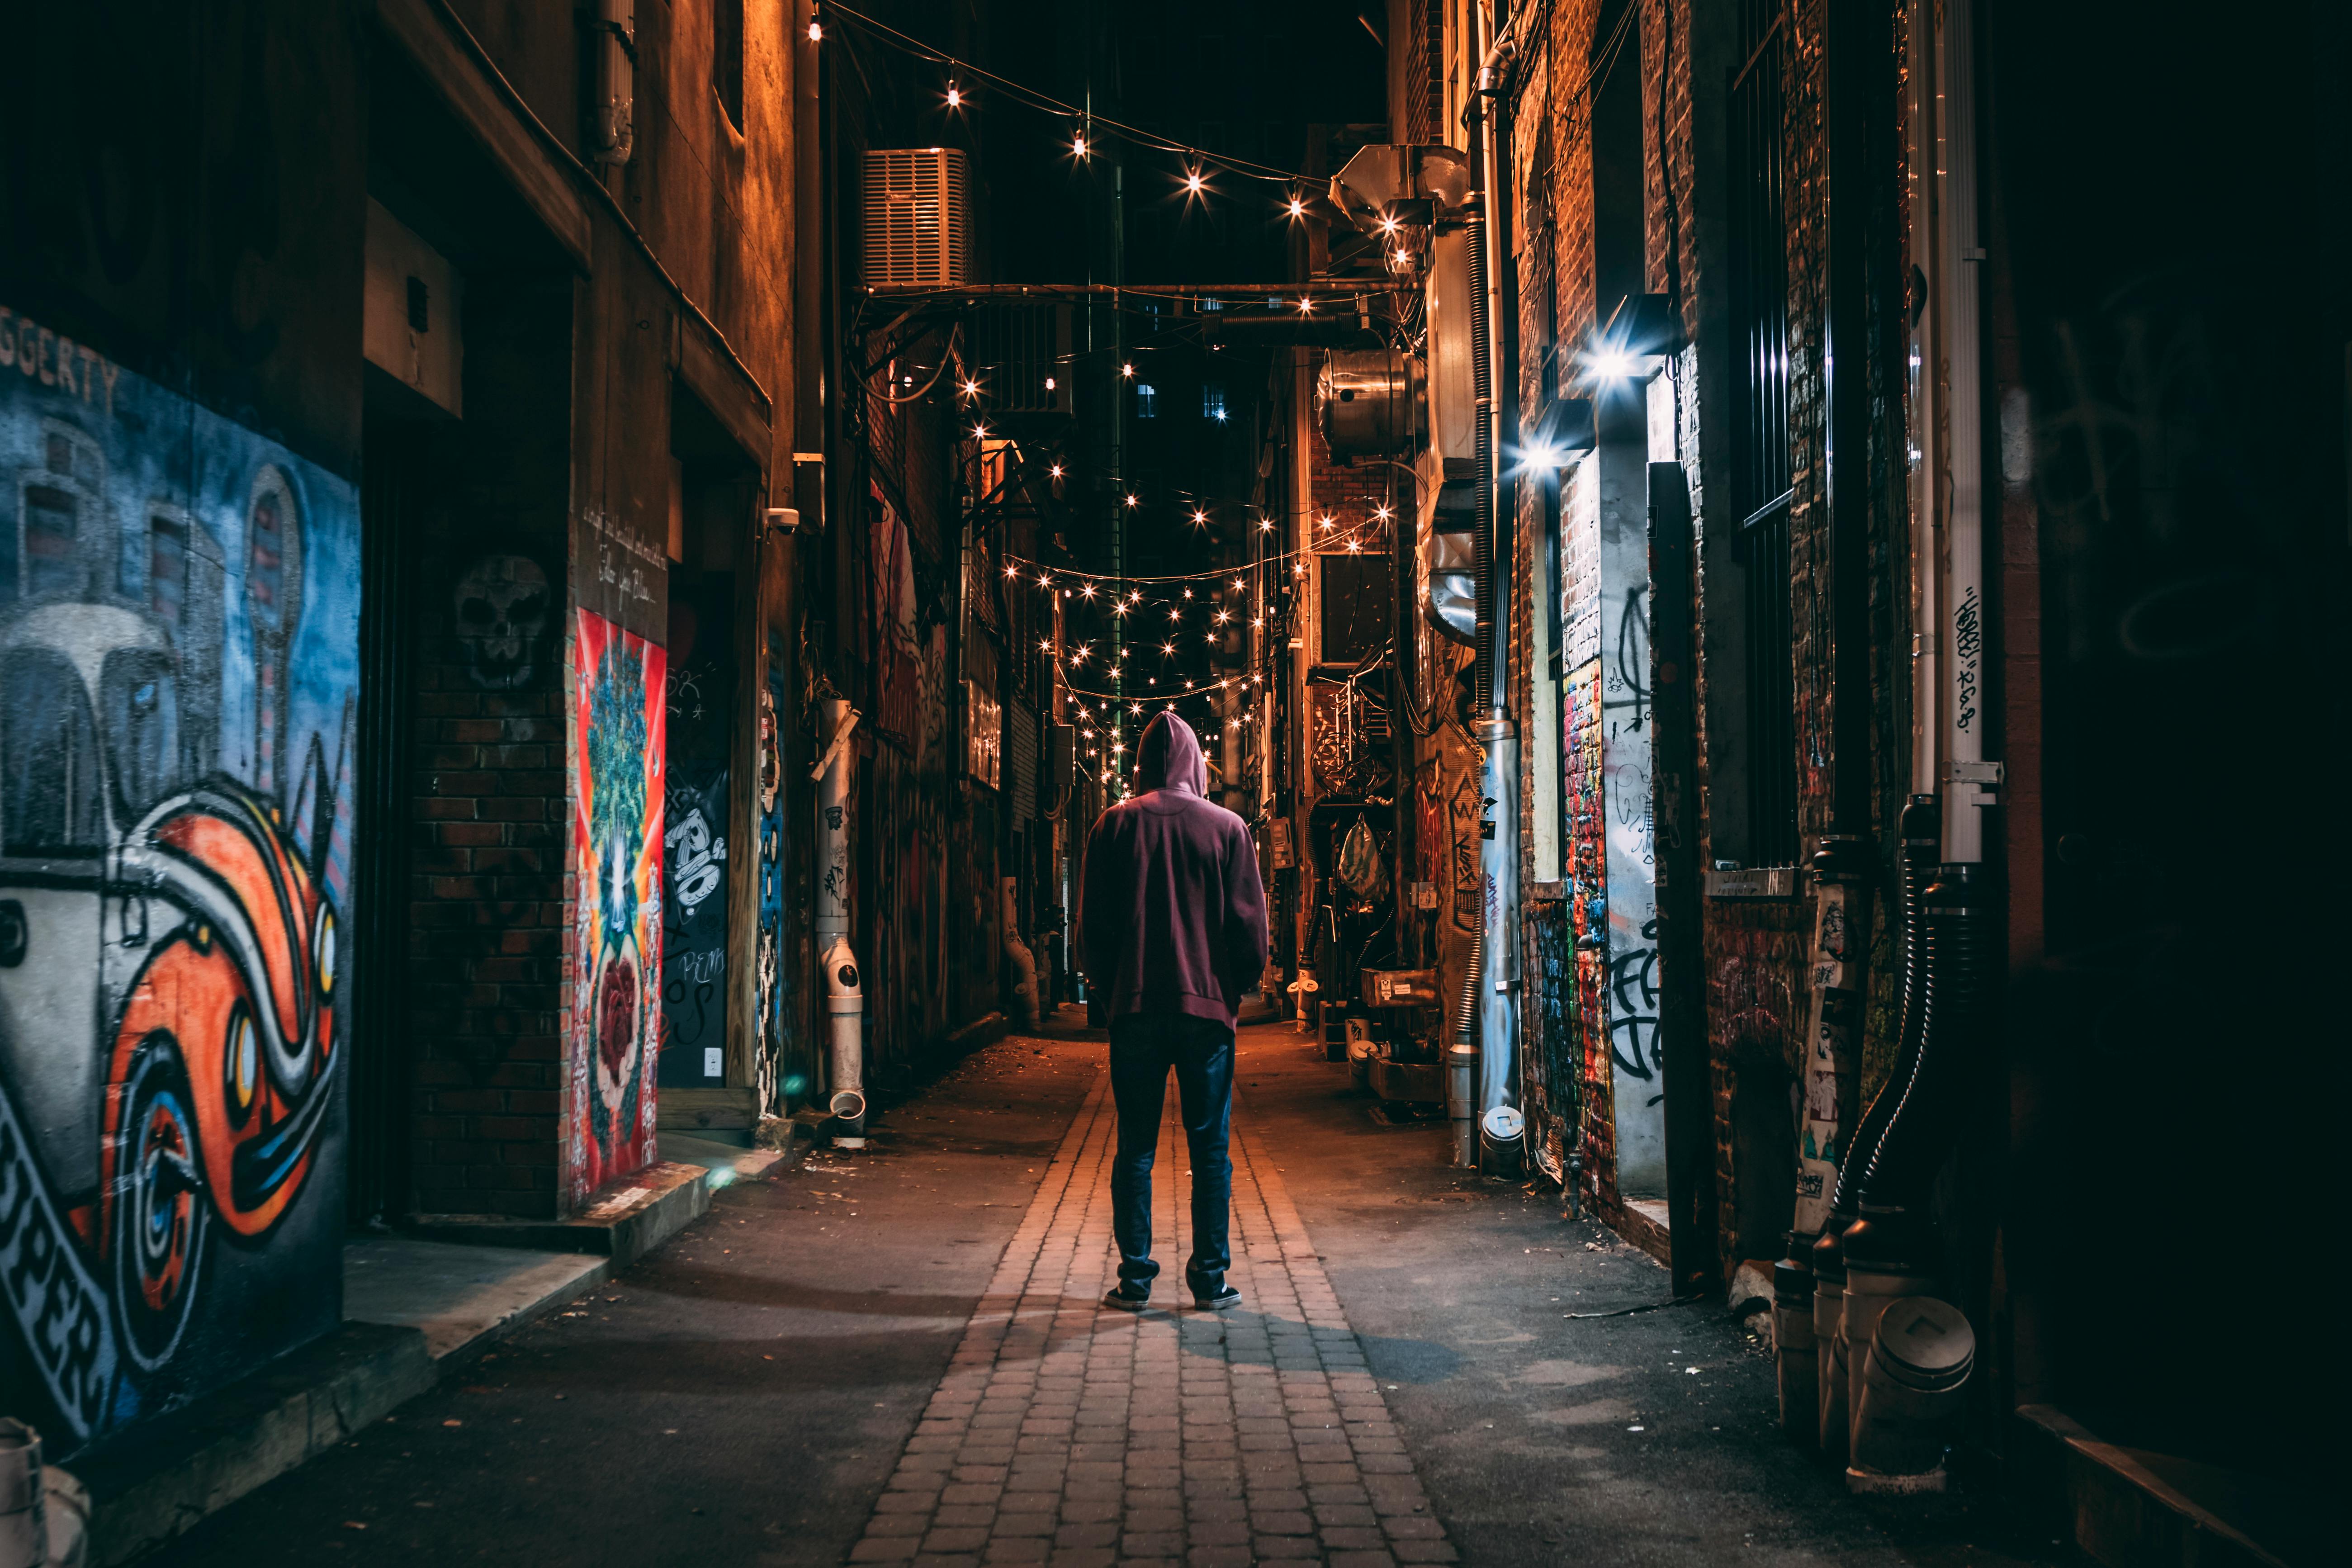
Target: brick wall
{"type": "Point", "coordinates": [490, 879]}
{"type": "Point", "coordinates": [490, 803]}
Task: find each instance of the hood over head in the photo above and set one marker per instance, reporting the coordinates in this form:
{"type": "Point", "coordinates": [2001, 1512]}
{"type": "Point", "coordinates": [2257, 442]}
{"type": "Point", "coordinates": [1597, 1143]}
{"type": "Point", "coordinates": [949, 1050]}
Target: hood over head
{"type": "Point", "coordinates": [1169, 757]}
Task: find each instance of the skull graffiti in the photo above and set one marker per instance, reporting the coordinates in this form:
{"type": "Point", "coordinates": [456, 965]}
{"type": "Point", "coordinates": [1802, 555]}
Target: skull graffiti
{"type": "Point", "coordinates": [503, 609]}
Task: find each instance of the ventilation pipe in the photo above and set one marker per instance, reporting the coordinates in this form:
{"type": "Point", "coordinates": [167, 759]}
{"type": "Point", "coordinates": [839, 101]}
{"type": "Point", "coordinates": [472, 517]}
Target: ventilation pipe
{"type": "Point", "coordinates": [1497, 737]}
{"type": "Point", "coordinates": [845, 998]}
{"type": "Point", "coordinates": [1822, 1256]}
{"type": "Point", "coordinates": [616, 80]}
{"type": "Point", "coordinates": [1462, 1059]}
{"type": "Point", "coordinates": [1908, 1354]}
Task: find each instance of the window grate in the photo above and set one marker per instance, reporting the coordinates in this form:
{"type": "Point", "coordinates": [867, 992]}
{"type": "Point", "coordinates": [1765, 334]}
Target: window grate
{"type": "Point", "coordinates": [1760, 467]}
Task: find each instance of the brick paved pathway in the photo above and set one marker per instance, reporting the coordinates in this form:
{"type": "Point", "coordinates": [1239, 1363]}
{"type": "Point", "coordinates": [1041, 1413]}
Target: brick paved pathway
{"type": "Point", "coordinates": [1070, 1434]}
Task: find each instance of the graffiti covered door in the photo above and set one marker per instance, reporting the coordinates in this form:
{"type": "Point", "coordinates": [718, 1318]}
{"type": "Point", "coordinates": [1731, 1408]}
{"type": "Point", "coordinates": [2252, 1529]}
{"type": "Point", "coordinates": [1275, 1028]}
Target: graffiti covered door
{"type": "Point", "coordinates": [178, 679]}
{"type": "Point", "coordinates": [699, 701]}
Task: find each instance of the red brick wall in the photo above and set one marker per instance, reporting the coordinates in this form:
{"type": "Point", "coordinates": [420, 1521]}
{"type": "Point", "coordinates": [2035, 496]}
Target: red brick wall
{"type": "Point", "coordinates": [490, 881]}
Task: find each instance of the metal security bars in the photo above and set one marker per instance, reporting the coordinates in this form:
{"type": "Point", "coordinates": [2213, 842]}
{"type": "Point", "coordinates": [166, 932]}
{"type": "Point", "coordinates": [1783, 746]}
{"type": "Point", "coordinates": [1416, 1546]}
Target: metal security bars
{"type": "Point", "coordinates": [1759, 264]}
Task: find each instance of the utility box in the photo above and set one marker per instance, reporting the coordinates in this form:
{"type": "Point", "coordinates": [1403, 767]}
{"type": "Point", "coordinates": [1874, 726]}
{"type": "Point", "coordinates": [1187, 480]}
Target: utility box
{"type": "Point", "coordinates": [917, 220]}
{"type": "Point", "coordinates": [409, 304]}
{"type": "Point", "coordinates": [1401, 988]}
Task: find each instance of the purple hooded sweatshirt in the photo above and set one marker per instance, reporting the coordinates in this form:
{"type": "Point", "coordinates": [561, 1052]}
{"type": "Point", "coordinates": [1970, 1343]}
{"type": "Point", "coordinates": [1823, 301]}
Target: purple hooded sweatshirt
{"type": "Point", "coordinates": [1172, 913]}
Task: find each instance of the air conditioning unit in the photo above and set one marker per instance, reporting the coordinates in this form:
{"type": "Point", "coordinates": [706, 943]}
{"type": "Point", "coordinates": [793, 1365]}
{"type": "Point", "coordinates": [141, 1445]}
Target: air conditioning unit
{"type": "Point", "coordinates": [917, 218]}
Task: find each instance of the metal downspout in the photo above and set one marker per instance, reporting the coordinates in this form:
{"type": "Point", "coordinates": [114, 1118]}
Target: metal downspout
{"type": "Point", "coordinates": [1496, 735]}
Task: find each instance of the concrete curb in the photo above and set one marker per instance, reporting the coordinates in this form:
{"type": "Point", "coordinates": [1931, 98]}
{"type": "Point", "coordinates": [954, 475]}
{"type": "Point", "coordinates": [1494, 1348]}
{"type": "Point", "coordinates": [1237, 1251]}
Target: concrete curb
{"type": "Point", "coordinates": [626, 1221]}
{"type": "Point", "coordinates": [2116, 1509]}
{"type": "Point", "coordinates": [162, 1477]}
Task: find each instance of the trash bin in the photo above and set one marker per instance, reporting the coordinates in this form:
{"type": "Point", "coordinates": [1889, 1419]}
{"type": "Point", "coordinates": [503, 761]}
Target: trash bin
{"type": "Point", "coordinates": [1502, 1143]}
{"type": "Point", "coordinates": [1911, 1386]}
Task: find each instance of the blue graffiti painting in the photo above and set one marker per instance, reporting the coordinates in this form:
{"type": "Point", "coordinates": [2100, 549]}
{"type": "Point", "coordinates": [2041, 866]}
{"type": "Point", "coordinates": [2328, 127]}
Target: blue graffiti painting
{"type": "Point", "coordinates": [179, 626]}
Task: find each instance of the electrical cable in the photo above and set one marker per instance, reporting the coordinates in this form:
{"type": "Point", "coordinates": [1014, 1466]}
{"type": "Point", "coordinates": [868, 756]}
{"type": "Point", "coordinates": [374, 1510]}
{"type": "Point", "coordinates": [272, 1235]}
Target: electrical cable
{"type": "Point", "coordinates": [1047, 103]}
{"type": "Point", "coordinates": [1645, 1307]}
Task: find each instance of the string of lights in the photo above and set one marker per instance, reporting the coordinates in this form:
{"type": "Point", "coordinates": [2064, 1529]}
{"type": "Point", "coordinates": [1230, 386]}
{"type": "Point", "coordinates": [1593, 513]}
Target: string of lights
{"type": "Point", "coordinates": [1329, 537]}
{"type": "Point", "coordinates": [957, 96]}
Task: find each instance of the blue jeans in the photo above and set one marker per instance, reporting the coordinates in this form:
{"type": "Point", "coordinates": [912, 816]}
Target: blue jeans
{"type": "Point", "coordinates": [1143, 1047]}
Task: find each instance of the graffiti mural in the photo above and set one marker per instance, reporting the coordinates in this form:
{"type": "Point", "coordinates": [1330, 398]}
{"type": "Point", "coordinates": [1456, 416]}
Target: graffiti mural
{"type": "Point", "coordinates": [768, 1024]}
{"type": "Point", "coordinates": [616, 847]}
{"type": "Point", "coordinates": [178, 676]}
{"type": "Point", "coordinates": [694, 928]}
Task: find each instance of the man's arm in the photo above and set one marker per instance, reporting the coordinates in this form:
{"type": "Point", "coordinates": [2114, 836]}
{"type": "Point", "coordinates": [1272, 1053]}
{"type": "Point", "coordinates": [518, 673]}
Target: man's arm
{"type": "Point", "coordinates": [1102, 933]}
{"type": "Point", "coordinates": [1245, 926]}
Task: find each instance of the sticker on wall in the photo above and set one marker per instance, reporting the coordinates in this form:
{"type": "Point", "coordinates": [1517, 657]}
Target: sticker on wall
{"type": "Point", "coordinates": [178, 680]}
{"type": "Point", "coordinates": [617, 840]}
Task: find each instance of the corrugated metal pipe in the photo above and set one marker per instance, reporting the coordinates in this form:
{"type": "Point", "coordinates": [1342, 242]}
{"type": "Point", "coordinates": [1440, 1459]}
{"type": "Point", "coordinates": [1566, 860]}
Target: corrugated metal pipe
{"type": "Point", "coordinates": [845, 996]}
{"type": "Point", "coordinates": [1462, 1058]}
{"type": "Point", "coordinates": [1823, 1257]}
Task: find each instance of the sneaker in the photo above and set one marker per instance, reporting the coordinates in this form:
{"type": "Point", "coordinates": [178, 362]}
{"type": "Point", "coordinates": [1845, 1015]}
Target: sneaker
{"type": "Point", "coordinates": [1216, 1299]}
{"type": "Point", "coordinates": [1127, 1299]}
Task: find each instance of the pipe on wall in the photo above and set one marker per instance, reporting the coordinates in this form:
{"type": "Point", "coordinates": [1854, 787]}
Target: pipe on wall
{"type": "Point", "coordinates": [845, 994]}
{"type": "Point", "coordinates": [1496, 735]}
{"type": "Point", "coordinates": [616, 80]}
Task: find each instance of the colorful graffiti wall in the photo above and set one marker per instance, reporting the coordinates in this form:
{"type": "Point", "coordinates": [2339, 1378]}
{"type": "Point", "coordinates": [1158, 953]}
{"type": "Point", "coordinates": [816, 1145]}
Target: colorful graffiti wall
{"type": "Point", "coordinates": [179, 620]}
{"type": "Point", "coordinates": [616, 849]}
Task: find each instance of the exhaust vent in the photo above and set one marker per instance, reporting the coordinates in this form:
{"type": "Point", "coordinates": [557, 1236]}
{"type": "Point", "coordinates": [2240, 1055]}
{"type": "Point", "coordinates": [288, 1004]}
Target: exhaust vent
{"type": "Point", "coordinates": [916, 218]}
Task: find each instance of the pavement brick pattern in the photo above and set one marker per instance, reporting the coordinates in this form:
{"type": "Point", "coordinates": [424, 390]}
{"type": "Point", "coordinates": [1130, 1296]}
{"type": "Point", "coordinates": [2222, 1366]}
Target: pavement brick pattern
{"type": "Point", "coordinates": [1072, 1435]}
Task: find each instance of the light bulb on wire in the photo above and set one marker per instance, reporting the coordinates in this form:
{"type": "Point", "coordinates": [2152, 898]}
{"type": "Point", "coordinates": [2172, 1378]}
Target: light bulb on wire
{"type": "Point", "coordinates": [955, 96]}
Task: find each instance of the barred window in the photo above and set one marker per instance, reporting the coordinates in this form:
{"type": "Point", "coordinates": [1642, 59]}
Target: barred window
{"type": "Point", "coordinates": [1761, 468]}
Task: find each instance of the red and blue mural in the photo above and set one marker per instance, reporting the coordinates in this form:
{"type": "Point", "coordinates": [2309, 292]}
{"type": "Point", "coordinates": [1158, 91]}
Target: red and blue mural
{"type": "Point", "coordinates": [179, 619]}
{"type": "Point", "coordinates": [616, 849]}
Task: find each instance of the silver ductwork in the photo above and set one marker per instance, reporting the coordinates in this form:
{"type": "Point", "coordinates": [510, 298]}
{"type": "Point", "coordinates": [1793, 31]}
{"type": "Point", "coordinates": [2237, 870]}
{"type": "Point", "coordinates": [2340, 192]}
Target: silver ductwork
{"type": "Point", "coordinates": [1369, 403]}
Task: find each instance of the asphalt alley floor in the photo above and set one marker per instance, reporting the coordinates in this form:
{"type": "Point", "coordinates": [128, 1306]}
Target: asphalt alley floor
{"type": "Point", "coordinates": [757, 1391]}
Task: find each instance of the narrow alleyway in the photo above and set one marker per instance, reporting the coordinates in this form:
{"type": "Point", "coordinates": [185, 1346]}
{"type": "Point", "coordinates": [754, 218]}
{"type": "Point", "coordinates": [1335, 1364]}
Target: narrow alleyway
{"type": "Point", "coordinates": [899, 1357]}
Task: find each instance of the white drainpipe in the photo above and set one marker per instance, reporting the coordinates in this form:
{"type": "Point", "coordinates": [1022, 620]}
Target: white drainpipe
{"type": "Point", "coordinates": [845, 998]}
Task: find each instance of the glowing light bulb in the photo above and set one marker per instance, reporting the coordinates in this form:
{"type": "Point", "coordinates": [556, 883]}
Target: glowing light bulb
{"type": "Point", "coordinates": [955, 96]}
{"type": "Point", "coordinates": [1388, 225]}
{"type": "Point", "coordinates": [1354, 545]}
{"type": "Point", "coordinates": [1383, 513]}
{"type": "Point", "coordinates": [1078, 146]}
{"type": "Point", "coordinates": [1045, 647]}
{"type": "Point", "coordinates": [971, 387]}
{"type": "Point", "coordinates": [1128, 370]}
{"type": "Point", "coordinates": [1237, 582]}
{"type": "Point", "coordinates": [1324, 522]}
{"type": "Point", "coordinates": [816, 32]}
{"type": "Point", "coordinates": [1297, 208]}
{"type": "Point", "coordinates": [1119, 609]}
{"type": "Point", "coordinates": [1306, 307]}
{"type": "Point", "coordinates": [1044, 580]}
{"type": "Point", "coordinates": [1175, 614]}
{"type": "Point", "coordinates": [1199, 516]}
{"type": "Point", "coordinates": [1266, 525]}
{"type": "Point", "coordinates": [978, 432]}
{"type": "Point", "coordinates": [1168, 648]}
{"type": "Point", "coordinates": [1132, 502]}
{"type": "Point", "coordinates": [1192, 182]}
{"type": "Point", "coordinates": [1049, 386]}
{"type": "Point", "coordinates": [1188, 592]}
{"type": "Point", "coordinates": [1087, 590]}
{"type": "Point", "coordinates": [1056, 469]}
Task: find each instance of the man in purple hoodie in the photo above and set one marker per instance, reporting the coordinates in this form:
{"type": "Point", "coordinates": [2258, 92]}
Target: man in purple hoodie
{"type": "Point", "coordinates": [1173, 918]}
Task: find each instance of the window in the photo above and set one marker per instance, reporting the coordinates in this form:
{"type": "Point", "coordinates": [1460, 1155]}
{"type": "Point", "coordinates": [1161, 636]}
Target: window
{"type": "Point", "coordinates": [1356, 619]}
{"type": "Point", "coordinates": [1147, 400]}
{"type": "Point", "coordinates": [1759, 288]}
{"type": "Point", "coordinates": [140, 700]}
{"type": "Point", "coordinates": [167, 570]}
{"type": "Point", "coordinates": [52, 518]}
{"type": "Point", "coordinates": [1212, 402]}
{"type": "Point", "coordinates": [48, 759]}
{"type": "Point", "coordinates": [1619, 247]}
